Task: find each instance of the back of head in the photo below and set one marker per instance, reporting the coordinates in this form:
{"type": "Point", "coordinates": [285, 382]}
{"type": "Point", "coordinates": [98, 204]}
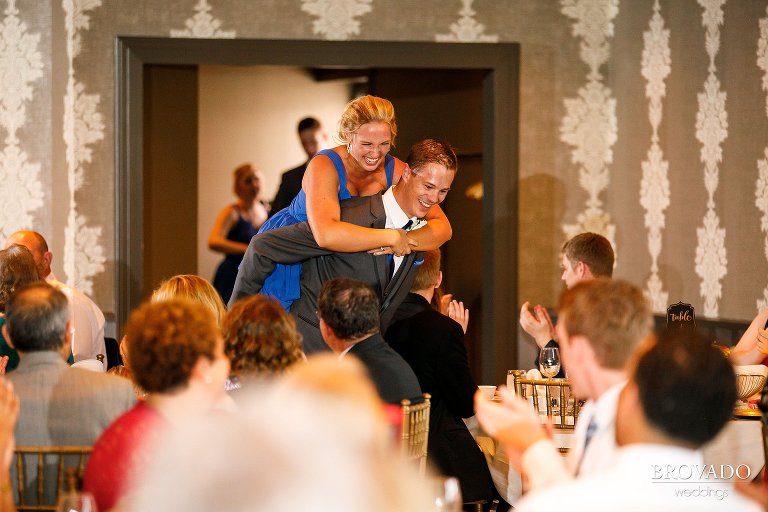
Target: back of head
{"type": "Point", "coordinates": [194, 288]}
{"type": "Point", "coordinates": [260, 337]}
{"type": "Point", "coordinates": [426, 276]}
{"type": "Point", "coordinates": [364, 110]}
{"type": "Point", "coordinates": [687, 388]}
{"type": "Point", "coordinates": [349, 307]}
{"type": "Point", "coordinates": [308, 123]}
{"type": "Point", "coordinates": [17, 269]}
{"type": "Point", "coordinates": [432, 151]}
{"type": "Point", "coordinates": [613, 315]}
{"type": "Point", "coordinates": [37, 317]}
{"type": "Point", "coordinates": [592, 249]}
{"type": "Point", "coordinates": [166, 340]}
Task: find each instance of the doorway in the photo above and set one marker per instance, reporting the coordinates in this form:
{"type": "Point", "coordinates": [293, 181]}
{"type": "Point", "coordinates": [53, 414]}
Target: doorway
{"type": "Point", "coordinates": [495, 69]}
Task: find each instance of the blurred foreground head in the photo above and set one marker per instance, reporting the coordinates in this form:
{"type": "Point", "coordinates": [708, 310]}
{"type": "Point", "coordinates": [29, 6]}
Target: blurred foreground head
{"type": "Point", "coordinates": [305, 443]}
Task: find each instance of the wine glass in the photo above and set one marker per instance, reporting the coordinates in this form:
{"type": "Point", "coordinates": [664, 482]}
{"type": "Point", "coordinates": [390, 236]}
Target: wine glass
{"type": "Point", "coordinates": [446, 494]}
{"type": "Point", "coordinates": [549, 362]}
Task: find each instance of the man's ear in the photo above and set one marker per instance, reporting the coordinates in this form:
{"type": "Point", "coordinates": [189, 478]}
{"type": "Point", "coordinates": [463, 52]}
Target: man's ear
{"type": "Point", "coordinates": [579, 349]}
{"type": "Point", "coordinates": [583, 270]}
{"type": "Point", "coordinates": [439, 279]}
{"type": "Point", "coordinates": [7, 336]}
{"type": "Point", "coordinates": [48, 257]}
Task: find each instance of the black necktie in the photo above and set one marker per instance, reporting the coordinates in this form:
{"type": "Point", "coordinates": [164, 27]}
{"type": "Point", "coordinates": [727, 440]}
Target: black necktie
{"type": "Point", "coordinates": [391, 257]}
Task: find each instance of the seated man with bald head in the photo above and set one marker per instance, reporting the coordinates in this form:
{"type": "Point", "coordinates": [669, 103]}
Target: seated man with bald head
{"type": "Point", "coordinates": [87, 318]}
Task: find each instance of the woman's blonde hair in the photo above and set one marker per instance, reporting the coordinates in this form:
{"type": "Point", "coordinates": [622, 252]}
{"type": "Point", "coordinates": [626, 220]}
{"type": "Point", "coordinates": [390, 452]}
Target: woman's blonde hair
{"type": "Point", "coordinates": [364, 110]}
{"type": "Point", "coordinates": [194, 288]}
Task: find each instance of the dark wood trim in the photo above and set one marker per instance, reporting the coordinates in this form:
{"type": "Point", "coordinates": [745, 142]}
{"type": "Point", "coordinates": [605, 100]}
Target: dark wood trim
{"type": "Point", "coordinates": [500, 141]}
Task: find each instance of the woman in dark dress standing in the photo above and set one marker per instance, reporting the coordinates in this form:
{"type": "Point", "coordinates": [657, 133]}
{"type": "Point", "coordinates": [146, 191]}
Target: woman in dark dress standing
{"type": "Point", "coordinates": [235, 225]}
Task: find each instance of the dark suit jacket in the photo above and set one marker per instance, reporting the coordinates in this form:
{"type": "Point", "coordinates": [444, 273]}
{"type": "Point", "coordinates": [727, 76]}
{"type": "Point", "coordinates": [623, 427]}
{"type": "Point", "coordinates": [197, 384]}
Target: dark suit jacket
{"type": "Point", "coordinates": [393, 378]}
{"type": "Point", "coordinates": [433, 345]}
{"type": "Point", "coordinates": [290, 184]}
{"type": "Point", "coordinates": [294, 244]}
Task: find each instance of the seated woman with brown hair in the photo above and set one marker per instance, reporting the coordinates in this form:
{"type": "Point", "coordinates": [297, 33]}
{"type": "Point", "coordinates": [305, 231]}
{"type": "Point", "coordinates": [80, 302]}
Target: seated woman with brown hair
{"type": "Point", "coordinates": [260, 339]}
{"type": "Point", "coordinates": [177, 356]}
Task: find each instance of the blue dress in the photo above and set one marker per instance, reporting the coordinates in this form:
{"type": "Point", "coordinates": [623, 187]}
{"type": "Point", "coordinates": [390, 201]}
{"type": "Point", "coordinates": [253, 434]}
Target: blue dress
{"type": "Point", "coordinates": [284, 283]}
{"type": "Point", "coordinates": [226, 273]}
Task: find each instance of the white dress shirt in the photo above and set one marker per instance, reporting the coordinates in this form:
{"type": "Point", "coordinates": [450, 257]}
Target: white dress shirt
{"type": "Point", "coordinates": [396, 219]}
{"type": "Point", "coordinates": [87, 322]}
{"type": "Point", "coordinates": [636, 481]}
{"type": "Point", "coordinates": [542, 462]}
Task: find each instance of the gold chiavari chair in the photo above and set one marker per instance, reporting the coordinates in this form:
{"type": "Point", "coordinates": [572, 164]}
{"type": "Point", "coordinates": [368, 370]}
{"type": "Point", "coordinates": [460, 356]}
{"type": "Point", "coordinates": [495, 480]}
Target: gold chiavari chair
{"type": "Point", "coordinates": [40, 472]}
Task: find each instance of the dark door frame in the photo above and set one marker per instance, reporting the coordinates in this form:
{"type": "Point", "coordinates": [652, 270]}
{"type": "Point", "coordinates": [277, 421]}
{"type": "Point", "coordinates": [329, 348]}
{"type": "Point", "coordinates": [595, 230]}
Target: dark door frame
{"type": "Point", "coordinates": [500, 150]}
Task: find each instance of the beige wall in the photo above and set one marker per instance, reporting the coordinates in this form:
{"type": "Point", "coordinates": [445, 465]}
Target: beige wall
{"type": "Point", "coordinates": [75, 165]}
{"type": "Point", "coordinates": [249, 114]}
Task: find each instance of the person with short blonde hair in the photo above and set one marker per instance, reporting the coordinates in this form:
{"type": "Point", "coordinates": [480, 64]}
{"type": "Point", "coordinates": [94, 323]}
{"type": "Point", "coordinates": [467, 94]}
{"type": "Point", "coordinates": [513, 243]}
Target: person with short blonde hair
{"type": "Point", "coordinates": [194, 288]}
{"type": "Point", "coordinates": [364, 110]}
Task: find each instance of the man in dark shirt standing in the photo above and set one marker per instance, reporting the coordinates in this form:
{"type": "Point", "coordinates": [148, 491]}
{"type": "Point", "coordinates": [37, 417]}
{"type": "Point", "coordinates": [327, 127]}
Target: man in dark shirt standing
{"type": "Point", "coordinates": [313, 139]}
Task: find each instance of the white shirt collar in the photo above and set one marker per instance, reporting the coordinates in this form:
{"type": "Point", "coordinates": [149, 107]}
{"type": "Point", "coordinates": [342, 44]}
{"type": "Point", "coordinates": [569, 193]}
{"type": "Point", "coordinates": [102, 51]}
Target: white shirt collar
{"type": "Point", "coordinates": [396, 217]}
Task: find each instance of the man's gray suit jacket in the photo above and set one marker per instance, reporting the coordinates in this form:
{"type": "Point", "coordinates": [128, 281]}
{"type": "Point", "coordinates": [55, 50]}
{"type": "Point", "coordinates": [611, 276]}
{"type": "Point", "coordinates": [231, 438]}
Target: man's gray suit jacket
{"type": "Point", "coordinates": [296, 244]}
{"type": "Point", "coordinates": [60, 405]}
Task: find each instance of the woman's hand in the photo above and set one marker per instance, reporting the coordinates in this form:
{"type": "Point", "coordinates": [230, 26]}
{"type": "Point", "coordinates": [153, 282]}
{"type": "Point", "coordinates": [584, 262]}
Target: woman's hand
{"type": "Point", "coordinates": [401, 244]}
{"type": "Point", "coordinates": [762, 341]}
{"type": "Point", "coordinates": [3, 364]}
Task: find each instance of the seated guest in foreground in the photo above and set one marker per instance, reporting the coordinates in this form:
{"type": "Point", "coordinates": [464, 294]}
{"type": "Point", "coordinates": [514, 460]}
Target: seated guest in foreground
{"type": "Point", "coordinates": [260, 339]}
{"type": "Point", "coordinates": [600, 324]}
{"type": "Point", "coordinates": [60, 405]}
{"type": "Point", "coordinates": [17, 269]}
{"type": "Point", "coordinates": [421, 188]}
{"type": "Point", "coordinates": [87, 318]}
{"type": "Point", "coordinates": [349, 322]}
{"type": "Point", "coordinates": [312, 440]}
{"type": "Point", "coordinates": [680, 396]}
{"type": "Point", "coordinates": [433, 345]}
{"type": "Point", "coordinates": [177, 356]}
{"type": "Point", "coordinates": [752, 347]}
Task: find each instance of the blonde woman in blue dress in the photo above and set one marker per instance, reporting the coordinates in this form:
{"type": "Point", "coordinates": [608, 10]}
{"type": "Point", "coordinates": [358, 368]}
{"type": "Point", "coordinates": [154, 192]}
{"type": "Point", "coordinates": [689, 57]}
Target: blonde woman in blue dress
{"type": "Point", "coordinates": [361, 166]}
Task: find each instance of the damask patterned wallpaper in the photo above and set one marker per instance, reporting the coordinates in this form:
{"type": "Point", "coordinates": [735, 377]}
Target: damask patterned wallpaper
{"type": "Point", "coordinates": [645, 120]}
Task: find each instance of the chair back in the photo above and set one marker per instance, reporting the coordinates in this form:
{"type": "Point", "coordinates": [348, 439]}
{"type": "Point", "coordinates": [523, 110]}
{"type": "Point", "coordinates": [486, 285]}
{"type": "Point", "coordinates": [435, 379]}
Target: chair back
{"type": "Point", "coordinates": [415, 431]}
{"type": "Point", "coordinates": [553, 397]}
{"type": "Point", "coordinates": [40, 473]}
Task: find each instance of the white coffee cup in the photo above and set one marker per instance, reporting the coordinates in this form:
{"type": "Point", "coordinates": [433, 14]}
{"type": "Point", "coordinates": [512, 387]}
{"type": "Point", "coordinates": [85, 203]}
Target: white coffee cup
{"type": "Point", "coordinates": [488, 391]}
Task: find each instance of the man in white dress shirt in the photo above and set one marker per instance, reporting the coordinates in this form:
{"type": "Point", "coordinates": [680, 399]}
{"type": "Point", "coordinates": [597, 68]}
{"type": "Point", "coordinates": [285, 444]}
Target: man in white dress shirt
{"type": "Point", "coordinates": [87, 318]}
{"type": "Point", "coordinates": [680, 396]}
{"type": "Point", "coordinates": [601, 322]}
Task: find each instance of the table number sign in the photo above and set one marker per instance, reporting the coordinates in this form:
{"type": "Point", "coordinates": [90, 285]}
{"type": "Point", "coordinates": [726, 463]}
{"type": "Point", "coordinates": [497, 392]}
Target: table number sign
{"type": "Point", "coordinates": [680, 314]}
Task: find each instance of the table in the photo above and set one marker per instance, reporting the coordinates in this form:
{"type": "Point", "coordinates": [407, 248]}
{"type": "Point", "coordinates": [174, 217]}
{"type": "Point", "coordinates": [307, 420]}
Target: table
{"type": "Point", "coordinates": [739, 443]}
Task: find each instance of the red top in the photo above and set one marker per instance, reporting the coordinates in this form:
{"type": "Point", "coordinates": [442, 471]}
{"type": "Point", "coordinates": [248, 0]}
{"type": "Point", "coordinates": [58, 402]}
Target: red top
{"type": "Point", "coordinates": [121, 450]}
